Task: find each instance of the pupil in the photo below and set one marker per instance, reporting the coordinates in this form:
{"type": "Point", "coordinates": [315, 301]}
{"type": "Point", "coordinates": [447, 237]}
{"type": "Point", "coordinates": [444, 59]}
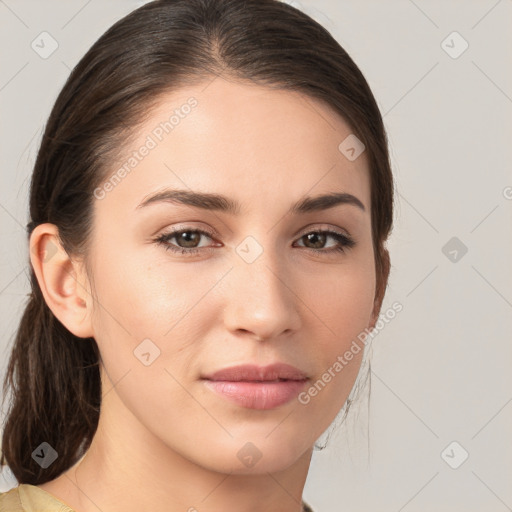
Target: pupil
{"type": "Point", "coordinates": [188, 238]}
{"type": "Point", "coordinates": [313, 236]}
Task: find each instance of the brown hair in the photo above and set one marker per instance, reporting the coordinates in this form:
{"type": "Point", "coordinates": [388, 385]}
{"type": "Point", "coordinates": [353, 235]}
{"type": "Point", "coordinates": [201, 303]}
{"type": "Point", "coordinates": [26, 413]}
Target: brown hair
{"type": "Point", "coordinates": [166, 44]}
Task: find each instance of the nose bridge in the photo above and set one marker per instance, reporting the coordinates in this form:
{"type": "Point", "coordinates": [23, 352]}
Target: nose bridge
{"type": "Point", "coordinates": [261, 300]}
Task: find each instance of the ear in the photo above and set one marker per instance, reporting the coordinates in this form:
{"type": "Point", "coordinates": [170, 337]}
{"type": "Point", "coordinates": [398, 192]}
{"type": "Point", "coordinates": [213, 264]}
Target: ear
{"type": "Point", "coordinates": [63, 281]}
{"type": "Point", "coordinates": [382, 282]}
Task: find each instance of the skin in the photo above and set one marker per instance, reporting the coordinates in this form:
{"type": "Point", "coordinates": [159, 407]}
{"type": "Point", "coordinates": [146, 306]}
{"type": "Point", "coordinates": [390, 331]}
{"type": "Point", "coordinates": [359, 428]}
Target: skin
{"type": "Point", "coordinates": [164, 440]}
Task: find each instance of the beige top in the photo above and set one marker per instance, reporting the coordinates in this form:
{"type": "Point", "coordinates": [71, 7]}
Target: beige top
{"type": "Point", "coordinates": [30, 498]}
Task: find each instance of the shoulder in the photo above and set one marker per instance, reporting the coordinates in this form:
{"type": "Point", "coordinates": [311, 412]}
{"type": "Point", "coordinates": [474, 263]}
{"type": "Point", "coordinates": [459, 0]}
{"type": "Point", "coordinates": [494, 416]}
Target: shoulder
{"type": "Point", "coordinates": [10, 501]}
{"type": "Point", "coordinates": [30, 498]}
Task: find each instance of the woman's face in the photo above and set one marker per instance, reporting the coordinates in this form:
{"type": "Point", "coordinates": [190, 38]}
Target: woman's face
{"type": "Point", "coordinates": [243, 285]}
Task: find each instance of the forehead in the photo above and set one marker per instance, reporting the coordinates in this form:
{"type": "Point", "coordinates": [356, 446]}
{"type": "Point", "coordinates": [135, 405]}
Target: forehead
{"type": "Point", "coordinates": [242, 139]}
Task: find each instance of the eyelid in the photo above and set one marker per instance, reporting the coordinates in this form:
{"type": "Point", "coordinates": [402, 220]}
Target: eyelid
{"type": "Point", "coordinates": [187, 227]}
{"type": "Point", "coordinates": [299, 234]}
{"type": "Point", "coordinates": [322, 227]}
{"type": "Point", "coordinates": [175, 231]}
{"type": "Point", "coordinates": [348, 239]}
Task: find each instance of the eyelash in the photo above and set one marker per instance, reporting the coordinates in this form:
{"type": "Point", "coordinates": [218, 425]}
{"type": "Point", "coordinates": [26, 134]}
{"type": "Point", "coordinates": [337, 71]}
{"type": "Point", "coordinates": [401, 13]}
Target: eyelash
{"type": "Point", "coordinates": [345, 242]}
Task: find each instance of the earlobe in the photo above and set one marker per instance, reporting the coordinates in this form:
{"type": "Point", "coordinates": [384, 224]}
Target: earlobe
{"type": "Point", "coordinates": [62, 280]}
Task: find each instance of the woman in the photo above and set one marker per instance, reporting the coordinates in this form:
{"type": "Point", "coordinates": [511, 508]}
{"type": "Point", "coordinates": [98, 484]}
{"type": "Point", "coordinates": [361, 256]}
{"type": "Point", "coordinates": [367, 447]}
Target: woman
{"type": "Point", "coordinates": [209, 210]}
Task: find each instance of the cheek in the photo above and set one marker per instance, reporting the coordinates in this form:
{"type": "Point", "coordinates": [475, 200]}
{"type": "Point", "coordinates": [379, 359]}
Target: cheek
{"type": "Point", "coordinates": [342, 307]}
{"type": "Point", "coordinates": [342, 302]}
{"type": "Point", "coordinates": [152, 305]}
{"type": "Point", "coordinates": [147, 328]}
{"type": "Point", "coordinates": [143, 298]}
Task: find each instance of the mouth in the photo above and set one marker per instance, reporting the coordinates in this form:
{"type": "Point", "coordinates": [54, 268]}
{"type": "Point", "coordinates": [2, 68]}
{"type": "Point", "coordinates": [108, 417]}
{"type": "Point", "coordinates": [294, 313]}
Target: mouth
{"type": "Point", "coordinates": [257, 387]}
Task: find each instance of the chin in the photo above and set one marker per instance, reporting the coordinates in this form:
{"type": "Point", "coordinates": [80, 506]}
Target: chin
{"type": "Point", "coordinates": [253, 455]}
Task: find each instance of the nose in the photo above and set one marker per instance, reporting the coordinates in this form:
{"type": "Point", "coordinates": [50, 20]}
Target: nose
{"type": "Point", "coordinates": [260, 300]}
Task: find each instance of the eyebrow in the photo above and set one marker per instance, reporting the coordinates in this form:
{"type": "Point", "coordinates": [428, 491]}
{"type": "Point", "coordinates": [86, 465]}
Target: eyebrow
{"type": "Point", "coordinates": [217, 202]}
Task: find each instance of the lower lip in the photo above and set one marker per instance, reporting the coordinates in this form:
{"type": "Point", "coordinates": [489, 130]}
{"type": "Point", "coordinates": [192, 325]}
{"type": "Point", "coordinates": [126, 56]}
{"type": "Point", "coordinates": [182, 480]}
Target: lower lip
{"type": "Point", "coordinates": [257, 395]}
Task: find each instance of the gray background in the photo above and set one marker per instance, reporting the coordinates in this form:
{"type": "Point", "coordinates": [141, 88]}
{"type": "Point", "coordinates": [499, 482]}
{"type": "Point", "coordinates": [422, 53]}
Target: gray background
{"type": "Point", "coordinates": [441, 369]}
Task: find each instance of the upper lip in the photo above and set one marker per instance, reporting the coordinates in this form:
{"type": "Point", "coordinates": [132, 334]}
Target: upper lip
{"type": "Point", "coordinates": [254, 373]}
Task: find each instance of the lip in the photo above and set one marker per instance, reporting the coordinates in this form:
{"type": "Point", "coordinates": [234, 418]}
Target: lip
{"type": "Point", "coordinates": [257, 387]}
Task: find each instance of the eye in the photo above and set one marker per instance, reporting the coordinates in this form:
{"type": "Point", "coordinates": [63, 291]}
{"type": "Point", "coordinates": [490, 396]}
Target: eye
{"type": "Point", "coordinates": [318, 238]}
{"type": "Point", "coordinates": [187, 240]}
